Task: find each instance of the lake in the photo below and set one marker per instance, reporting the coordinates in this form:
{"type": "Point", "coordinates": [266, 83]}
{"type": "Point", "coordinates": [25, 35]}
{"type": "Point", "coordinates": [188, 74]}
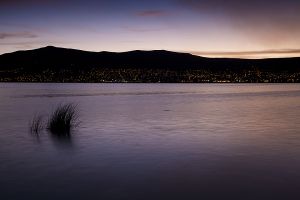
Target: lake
{"type": "Point", "coordinates": [153, 141]}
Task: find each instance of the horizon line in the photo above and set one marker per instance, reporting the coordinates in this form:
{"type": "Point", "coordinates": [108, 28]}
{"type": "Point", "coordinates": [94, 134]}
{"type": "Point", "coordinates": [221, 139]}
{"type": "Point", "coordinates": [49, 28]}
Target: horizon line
{"type": "Point", "coordinates": [269, 53]}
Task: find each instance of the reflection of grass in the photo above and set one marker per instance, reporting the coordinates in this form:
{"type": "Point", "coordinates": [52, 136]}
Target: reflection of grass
{"type": "Point", "coordinates": [63, 119]}
{"type": "Point", "coordinates": [36, 125]}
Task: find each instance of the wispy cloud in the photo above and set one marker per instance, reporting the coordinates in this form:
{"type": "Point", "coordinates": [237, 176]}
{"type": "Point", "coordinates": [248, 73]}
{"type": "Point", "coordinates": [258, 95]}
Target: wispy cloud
{"type": "Point", "coordinates": [249, 54]}
{"type": "Point", "coordinates": [151, 13]}
{"type": "Point", "coordinates": [141, 30]}
{"type": "Point", "coordinates": [5, 35]}
{"type": "Point", "coordinates": [238, 6]}
{"type": "Point", "coordinates": [25, 2]}
{"type": "Point", "coordinates": [18, 43]}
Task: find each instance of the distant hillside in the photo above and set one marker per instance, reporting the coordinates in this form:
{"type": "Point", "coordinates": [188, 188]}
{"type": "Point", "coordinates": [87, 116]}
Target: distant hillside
{"type": "Point", "coordinates": [61, 58]}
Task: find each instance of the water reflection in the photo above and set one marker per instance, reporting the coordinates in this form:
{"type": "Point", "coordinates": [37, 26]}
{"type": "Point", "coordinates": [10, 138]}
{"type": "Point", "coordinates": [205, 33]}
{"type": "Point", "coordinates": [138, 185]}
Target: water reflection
{"type": "Point", "coordinates": [59, 141]}
{"type": "Point", "coordinates": [214, 142]}
{"type": "Point", "coordinates": [62, 140]}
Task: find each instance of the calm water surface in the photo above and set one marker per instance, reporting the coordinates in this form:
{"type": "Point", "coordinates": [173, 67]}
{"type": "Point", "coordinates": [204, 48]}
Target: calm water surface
{"type": "Point", "coordinates": [153, 141]}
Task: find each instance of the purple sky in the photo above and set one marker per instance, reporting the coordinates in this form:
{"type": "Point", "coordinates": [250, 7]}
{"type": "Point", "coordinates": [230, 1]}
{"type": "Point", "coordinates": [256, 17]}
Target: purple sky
{"type": "Point", "coordinates": [215, 28]}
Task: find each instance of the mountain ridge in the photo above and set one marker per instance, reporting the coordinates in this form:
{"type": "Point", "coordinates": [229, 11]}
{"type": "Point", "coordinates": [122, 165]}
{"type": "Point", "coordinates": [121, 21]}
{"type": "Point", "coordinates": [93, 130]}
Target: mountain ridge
{"type": "Point", "coordinates": [133, 51]}
{"type": "Point", "coordinates": [60, 58]}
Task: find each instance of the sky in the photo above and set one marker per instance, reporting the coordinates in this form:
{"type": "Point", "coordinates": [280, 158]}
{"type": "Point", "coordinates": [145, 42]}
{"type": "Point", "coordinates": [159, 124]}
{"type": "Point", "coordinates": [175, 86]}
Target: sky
{"type": "Point", "coordinates": [211, 28]}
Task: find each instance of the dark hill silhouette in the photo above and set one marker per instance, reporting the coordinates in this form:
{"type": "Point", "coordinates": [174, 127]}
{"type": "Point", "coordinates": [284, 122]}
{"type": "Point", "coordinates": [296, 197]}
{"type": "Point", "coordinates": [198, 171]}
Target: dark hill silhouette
{"type": "Point", "coordinates": [62, 58]}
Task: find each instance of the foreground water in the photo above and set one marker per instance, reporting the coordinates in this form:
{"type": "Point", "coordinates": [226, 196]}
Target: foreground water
{"type": "Point", "coordinates": [153, 141]}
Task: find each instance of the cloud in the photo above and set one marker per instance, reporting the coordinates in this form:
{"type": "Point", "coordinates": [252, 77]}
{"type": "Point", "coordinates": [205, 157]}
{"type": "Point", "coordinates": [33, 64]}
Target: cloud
{"type": "Point", "coordinates": [240, 6]}
{"type": "Point", "coordinates": [5, 35]}
{"type": "Point", "coordinates": [141, 30]}
{"type": "Point", "coordinates": [249, 54]}
{"type": "Point", "coordinates": [271, 23]}
{"type": "Point", "coordinates": [254, 12]}
{"type": "Point", "coordinates": [9, 2]}
{"type": "Point", "coordinates": [18, 43]}
{"type": "Point", "coordinates": [151, 13]}
{"type": "Point", "coordinates": [23, 2]}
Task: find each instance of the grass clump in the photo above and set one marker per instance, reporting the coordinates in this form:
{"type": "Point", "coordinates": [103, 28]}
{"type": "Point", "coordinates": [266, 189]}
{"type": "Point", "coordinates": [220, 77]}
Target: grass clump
{"type": "Point", "coordinates": [36, 125]}
{"type": "Point", "coordinates": [63, 119]}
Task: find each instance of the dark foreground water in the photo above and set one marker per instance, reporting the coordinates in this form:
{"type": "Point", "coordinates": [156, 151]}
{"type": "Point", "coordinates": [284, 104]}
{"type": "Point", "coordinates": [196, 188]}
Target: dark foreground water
{"type": "Point", "coordinates": [153, 141]}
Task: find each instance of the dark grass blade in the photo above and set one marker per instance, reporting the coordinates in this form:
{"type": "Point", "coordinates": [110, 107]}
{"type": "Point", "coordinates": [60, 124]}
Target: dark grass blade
{"type": "Point", "coordinates": [36, 125]}
{"type": "Point", "coordinates": [63, 119]}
